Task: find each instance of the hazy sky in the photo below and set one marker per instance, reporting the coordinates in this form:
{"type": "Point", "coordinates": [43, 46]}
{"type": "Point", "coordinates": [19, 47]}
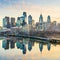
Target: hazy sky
{"type": "Point", "coordinates": [14, 8]}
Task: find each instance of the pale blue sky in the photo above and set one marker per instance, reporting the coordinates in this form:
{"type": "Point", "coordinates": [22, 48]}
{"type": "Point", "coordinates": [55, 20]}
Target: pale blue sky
{"type": "Point", "coordinates": [36, 2]}
{"type": "Point", "coordinates": [34, 7]}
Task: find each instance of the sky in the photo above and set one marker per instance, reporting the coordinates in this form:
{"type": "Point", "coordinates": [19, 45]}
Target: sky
{"type": "Point", "coordinates": [15, 8]}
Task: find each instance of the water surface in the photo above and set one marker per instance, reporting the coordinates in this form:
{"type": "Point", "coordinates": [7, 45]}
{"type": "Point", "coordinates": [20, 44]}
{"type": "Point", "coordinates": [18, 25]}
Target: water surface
{"type": "Point", "coordinates": [28, 49]}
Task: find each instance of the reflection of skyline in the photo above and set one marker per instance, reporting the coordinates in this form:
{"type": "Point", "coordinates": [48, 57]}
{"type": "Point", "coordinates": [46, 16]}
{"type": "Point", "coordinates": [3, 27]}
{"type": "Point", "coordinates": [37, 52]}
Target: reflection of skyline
{"type": "Point", "coordinates": [48, 46]}
{"type": "Point", "coordinates": [29, 45]}
{"type": "Point", "coordinates": [40, 47]}
{"type": "Point", "coordinates": [20, 44]}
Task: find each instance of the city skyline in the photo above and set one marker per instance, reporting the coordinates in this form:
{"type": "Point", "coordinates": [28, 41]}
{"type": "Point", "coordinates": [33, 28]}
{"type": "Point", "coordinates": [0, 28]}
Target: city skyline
{"type": "Point", "coordinates": [35, 8]}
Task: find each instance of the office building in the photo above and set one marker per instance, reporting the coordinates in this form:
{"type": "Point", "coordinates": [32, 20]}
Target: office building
{"type": "Point", "coordinates": [25, 17]}
{"type": "Point", "coordinates": [30, 20]}
{"type": "Point", "coordinates": [12, 22]}
{"type": "Point", "coordinates": [41, 19]}
{"type": "Point", "coordinates": [18, 21]}
{"type": "Point", "coordinates": [21, 21]}
{"type": "Point", "coordinates": [6, 22]}
{"type": "Point", "coordinates": [48, 19]}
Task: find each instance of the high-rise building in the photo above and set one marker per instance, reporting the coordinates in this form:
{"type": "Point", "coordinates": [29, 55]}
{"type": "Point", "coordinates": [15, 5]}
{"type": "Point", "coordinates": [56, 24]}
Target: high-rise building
{"type": "Point", "coordinates": [41, 23]}
{"type": "Point", "coordinates": [33, 22]}
{"type": "Point", "coordinates": [25, 16]}
{"type": "Point", "coordinates": [41, 19]}
{"type": "Point", "coordinates": [21, 21]}
{"type": "Point", "coordinates": [18, 21]}
{"type": "Point", "coordinates": [48, 19]}
{"type": "Point", "coordinates": [6, 22]}
{"type": "Point", "coordinates": [12, 22]}
{"type": "Point", "coordinates": [30, 19]}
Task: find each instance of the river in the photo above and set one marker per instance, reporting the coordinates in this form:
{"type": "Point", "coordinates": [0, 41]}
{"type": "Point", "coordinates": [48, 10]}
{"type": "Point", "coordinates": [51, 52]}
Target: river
{"type": "Point", "coordinates": [28, 49]}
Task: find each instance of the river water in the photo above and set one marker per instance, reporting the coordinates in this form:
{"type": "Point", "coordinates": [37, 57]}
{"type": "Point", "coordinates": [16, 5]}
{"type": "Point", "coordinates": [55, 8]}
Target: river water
{"type": "Point", "coordinates": [28, 49]}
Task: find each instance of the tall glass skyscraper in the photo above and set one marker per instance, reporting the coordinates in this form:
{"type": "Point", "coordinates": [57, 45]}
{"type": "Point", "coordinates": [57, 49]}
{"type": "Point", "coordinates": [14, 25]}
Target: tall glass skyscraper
{"type": "Point", "coordinates": [48, 19]}
{"type": "Point", "coordinates": [30, 19]}
{"type": "Point", "coordinates": [21, 21]}
{"type": "Point", "coordinates": [18, 21]}
{"type": "Point", "coordinates": [12, 22]}
{"type": "Point", "coordinates": [41, 19]}
{"type": "Point", "coordinates": [25, 16]}
{"type": "Point", "coordinates": [6, 22]}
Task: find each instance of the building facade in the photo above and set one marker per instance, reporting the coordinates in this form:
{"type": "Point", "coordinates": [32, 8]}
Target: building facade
{"type": "Point", "coordinates": [6, 22]}
{"type": "Point", "coordinates": [41, 19]}
{"type": "Point", "coordinates": [48, 19]}
{"type": "Point", "coordinates": [30, 20]}
{"type": "Point", "coordinates": [12, 22]}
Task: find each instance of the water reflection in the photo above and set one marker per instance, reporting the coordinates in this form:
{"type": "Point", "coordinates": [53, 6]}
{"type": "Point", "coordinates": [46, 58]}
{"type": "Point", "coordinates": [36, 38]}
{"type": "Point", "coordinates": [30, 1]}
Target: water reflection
{"type": "Point", "coordinates": [49, 46]}
{"type": "Point", "coordinates": [5, 44]}
{"type": "Point", "coordinates": [12, 44]}
{"type": "Point", "coordinates": [21, 44]}
{"type": "Point", "coordinates": [29, 45]}
{"type": "Point", "coordinates": [41, 46]}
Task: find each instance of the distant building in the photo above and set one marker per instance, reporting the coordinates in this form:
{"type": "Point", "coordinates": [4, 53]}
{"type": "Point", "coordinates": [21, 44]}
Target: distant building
{"type": "Point", "coordinates": [58, 27]}
{"type": "Point", "coordinates": [55, 23]}
{"type": "Point", "coordinates": [48, 19]}
{"type": "Point", "coordinates": [52, 26]}
{"type": "Point", "coordinates": [12, 22]}
{"type": "Point", "coordinates": [44, 26]}
{"type": "Point", "coordinates": [25, 16]}
{"type": "Point", "coordinates": [21, 21]}
{"type": "Point", "coordinates": [41, 19]}
{"type": "Point", "coordinates": [6, 22]}
{"type": "Point", "coordinates": [40, 27]}
{"type": "Point", "coordinates": [30, 20]}
{"type": "Point", "coordinates": [18, 21]}
{"type": "Point", "coordinates": [33, 22]}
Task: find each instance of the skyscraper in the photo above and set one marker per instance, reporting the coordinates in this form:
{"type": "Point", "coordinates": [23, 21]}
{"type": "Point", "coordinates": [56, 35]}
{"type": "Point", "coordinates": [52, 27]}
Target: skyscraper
{"type": "Point", "coordinates": [41, 19]}
{"type": "Point", "coordinates": [21, 21]}
{"type": "Point", "coordinates": [30, 19]}
{"type": "Point", "coordinates": [41, 23]}
{"type": "Point", "coordinates": [18, 21]}
{"type": "Point", "coordinates": [12, 22]}
{"type": "Point", "coordinates": [25, 15]}
{"type": "Point", "coordinates": [6, 22]}
{"type": "Point", "coordinates": [48, 19]}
